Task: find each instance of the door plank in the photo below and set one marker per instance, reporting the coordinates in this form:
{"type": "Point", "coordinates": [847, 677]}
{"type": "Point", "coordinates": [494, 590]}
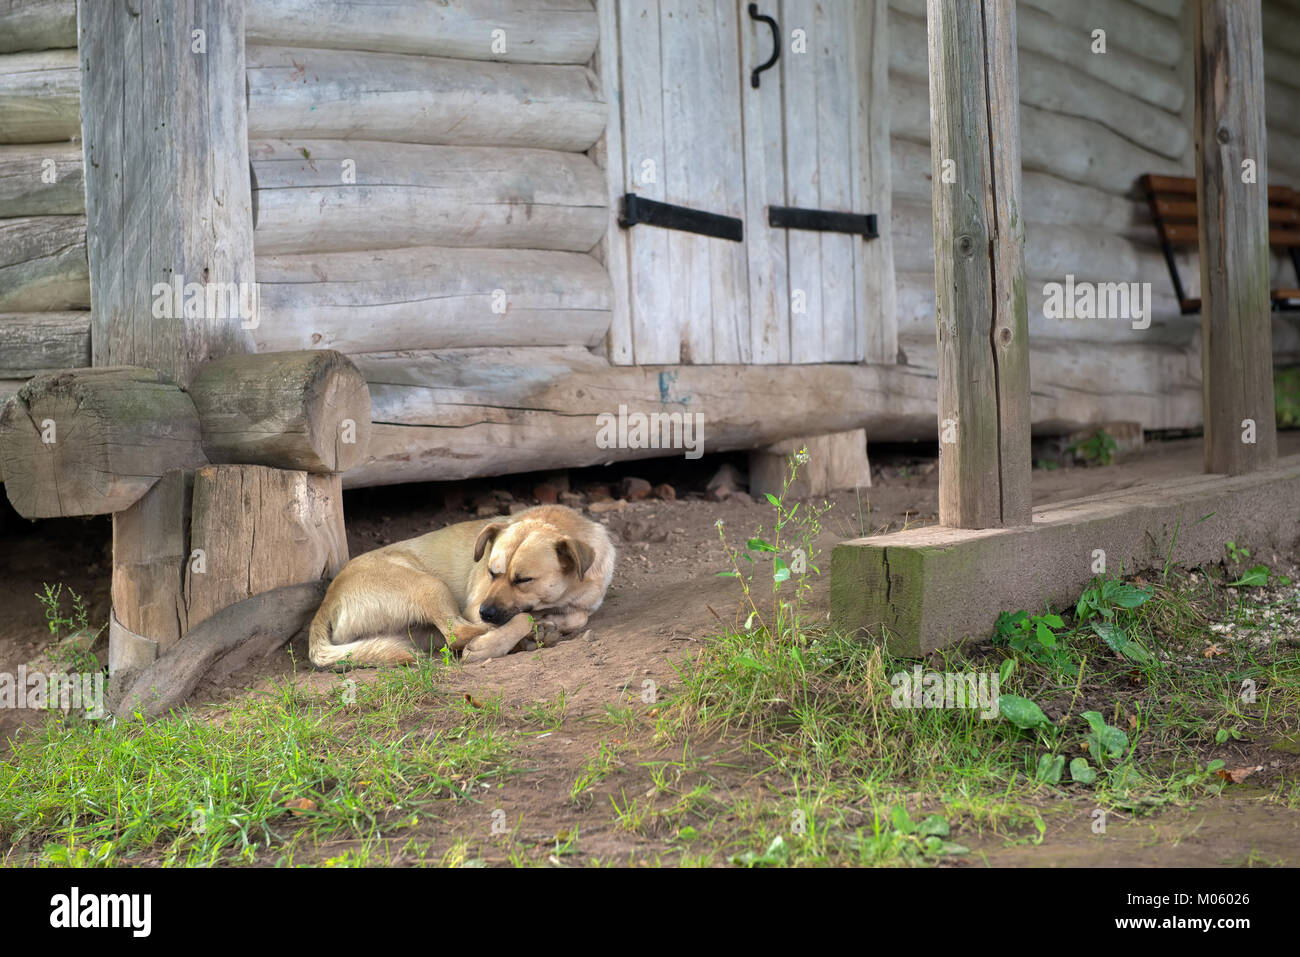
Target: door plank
{"type": "Point", "coordinates": [767, 257]}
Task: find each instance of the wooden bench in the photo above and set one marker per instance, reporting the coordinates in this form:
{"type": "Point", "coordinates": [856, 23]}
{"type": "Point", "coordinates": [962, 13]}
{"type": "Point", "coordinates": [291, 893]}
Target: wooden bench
{"type": "Point", "coordinates": [1173, 210]}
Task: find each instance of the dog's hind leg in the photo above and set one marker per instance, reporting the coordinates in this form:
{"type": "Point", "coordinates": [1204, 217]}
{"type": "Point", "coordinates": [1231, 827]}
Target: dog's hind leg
{"type": "Point", "coordinates": [369, 625]}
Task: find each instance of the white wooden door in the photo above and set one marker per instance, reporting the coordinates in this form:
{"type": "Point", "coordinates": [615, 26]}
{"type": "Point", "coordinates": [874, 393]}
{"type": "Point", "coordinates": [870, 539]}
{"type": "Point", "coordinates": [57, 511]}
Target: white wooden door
{"type": "Point", "coordinates": [695, 132]}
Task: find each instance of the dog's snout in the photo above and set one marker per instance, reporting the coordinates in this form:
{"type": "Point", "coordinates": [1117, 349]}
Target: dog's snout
{"type": "Point", "coordinates": [491, 613]}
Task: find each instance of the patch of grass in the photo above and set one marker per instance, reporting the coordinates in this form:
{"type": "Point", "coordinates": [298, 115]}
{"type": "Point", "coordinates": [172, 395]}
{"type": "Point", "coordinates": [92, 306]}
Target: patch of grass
{"type": "Point", "coordinates": [355, 764]}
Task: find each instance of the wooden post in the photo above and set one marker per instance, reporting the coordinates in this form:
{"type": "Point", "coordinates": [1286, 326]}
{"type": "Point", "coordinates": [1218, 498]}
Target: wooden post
{"type": "Point", "coordinates": [1236, 338]}
{"type": "Point", "coordinates": [168, 196]}
{"type": "Point", "coordinates": [979, 265]}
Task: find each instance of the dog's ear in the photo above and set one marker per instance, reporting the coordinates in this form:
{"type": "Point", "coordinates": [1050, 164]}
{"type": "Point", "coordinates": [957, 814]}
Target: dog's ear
{"type": "Point", "coordinates": [575, 556]}
{"type": "Point", "coordinates": [487, 537]}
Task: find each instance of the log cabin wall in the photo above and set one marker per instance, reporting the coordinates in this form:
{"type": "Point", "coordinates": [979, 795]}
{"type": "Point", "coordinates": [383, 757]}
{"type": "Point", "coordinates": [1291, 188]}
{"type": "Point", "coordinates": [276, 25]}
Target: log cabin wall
{"type": "Point", "coordinates": [44, 279]}
{"type": "Point", "coordinates": [1091, 124]}
{"type": "Point", "coordinates": [430, 199]}
{"type": "Point", "coordinates": [420, 174]}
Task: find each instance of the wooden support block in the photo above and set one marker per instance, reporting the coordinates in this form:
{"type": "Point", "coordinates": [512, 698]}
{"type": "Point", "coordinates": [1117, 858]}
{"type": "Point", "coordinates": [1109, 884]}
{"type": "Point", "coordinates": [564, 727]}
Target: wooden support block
{"type": "Point", "coordinates": [150, 551]}
{"type": "Point", "coordinates": [835, 462]}
{"type": "Point", "coordinates": [305, 410]}
{"type": "Point", "coordinates": [93, 441]}
{"type": "Point", "coordinates": [979, 260]}
{"type": "Point", "coordinates": [927, 588]}
{"type": "Point", "coordinates": [1237, 353]}
{"type": "Point", "coordinates": [255, 529]}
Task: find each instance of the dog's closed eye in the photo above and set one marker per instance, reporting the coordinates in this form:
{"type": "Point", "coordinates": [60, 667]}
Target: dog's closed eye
{"type": "Point", "coordinates": [522, 581]}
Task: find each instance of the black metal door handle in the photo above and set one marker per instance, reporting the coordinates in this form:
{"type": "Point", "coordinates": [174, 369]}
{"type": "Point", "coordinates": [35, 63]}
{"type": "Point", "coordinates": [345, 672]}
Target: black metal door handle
{"type": "Point", "coordinates": [776, 44]}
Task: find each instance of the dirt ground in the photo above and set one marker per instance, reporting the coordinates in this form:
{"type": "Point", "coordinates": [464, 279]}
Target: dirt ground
{"type": "Point", "coordinates": [665, 598]}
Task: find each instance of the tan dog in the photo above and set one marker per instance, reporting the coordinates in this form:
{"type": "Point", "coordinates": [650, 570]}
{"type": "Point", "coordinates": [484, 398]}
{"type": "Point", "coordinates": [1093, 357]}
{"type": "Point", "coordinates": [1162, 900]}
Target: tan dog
{"type": "Point", "coordinates": [476, 582]}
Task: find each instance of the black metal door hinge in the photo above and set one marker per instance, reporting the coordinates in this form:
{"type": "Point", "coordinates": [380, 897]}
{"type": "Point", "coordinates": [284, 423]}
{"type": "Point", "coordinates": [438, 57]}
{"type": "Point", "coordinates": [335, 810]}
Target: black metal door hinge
{"type": "Point", "coordinates": [823, 220]}
{"type": "Point", "coordinates": [638, 210]}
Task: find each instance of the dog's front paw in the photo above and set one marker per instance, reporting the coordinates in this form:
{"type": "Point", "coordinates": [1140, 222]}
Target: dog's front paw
{"type": "Point", "coordinates": [546, 633]}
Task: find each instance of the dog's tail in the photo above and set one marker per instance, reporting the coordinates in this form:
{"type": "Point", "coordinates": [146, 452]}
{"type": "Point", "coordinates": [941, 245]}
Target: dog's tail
{"type": "Point", "coordinates": [374, 650]}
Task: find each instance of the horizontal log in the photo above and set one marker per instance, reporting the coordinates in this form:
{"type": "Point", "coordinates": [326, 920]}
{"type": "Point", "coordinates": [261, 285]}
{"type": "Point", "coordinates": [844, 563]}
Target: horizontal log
{"type": "Point", "coordinates": [1127, 25]}
{"type": "Point", "coordinates": [431, 298]}
{"type": "Point", "coordinates": [1281, 67]}
{"type": "Point", "coordinates": [1048, 199]}
{"type": "Point", "coordinates": [531, 31]}
{"type": "Point", "coordinates": [336, 195]}
{"type": "Point", "coordinates": [1050, 250]}
{"type": "Point", "coordinates": [1280, 28]}
{"type": "Point", "coordinates": [476, 412]}
{"type": "Point", "coordinates": [43, 264]}
{"type": "Point", "coordinates": [31, 343]}
{"type": "Point", "coordinates": [1280, 107]}
{"type": "Point", "coordinates": [37, 25]}
{"type": "Point", "coordinates": [41, 180]}
{"type": "Point", "coordinates": [93, 441]}
{"type": "Point", "coordinates": [1080, 151]}
{"type": "Point", "coordinates": [915, 292]}
{"type": "Point", "coordinates": [308, 410]}
{"type": "Point", "coordinates": [1042, 33]}
{"type": "Point", "coordinates": [40, 97]}
{"type": "Point", "coordinates": [340, 94]}
{"type": "Point", "coordinates": [1173, 9]}
{"type": "Point", "coordinates": [1046, 84]}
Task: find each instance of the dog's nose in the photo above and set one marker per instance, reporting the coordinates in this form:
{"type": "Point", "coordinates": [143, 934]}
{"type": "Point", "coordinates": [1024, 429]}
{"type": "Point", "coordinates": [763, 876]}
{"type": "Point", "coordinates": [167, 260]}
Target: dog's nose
{"type": "Point", "coordinates": [492, 614]}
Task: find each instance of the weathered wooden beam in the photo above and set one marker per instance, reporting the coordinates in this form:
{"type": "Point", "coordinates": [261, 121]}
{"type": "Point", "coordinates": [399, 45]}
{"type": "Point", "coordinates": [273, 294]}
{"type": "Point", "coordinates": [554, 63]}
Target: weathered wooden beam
{"type": "Point", "coordinates": [36, 342]}
{"type": "Point", "coordinates": [926, 588]}
{"type": "Point", "coordinates": [513, 31]}
{"type": "Point", "coordinates": [431, 297]}
{"type": "Point", "coordinates": [168, 197]}
{"type": "Point", "coordinates": [93, 441]}
{"type": "Point", "coordinates": [43, 264]}
{"type": "Point", "coordinates": [41, 180]}
{"type": "Point", "coordinates": [1237, 357]}
{"type": "Point", "coordinates": [344, 94]}
{"type": "Point", "coordinates": [37, 25]}
{"type": "Point", "coordinates": [255, 529]}
{"type": "Point", "coordinates": [330, 195]}
{"type": "Point", "coordinates": [39, 97]}
{"type": "Point", "coordinates": [983, 340]}
{"type": "Point", "coordinates": [291, 410]}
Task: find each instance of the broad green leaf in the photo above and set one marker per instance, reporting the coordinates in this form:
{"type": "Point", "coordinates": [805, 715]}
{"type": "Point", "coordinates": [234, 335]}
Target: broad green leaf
{"type": "Point", "coordinates": [1130, 596]}
{"type": "Point", "coordinates": [1045, 636]}
{"type": "Point", "coordinates": [1021, 712]}
{"type": "Point", "coordinates": [773, 500]}
{"type": "Point", "coordinates": [1005, 672]}
{"type": "Point", "coordinates": [758, 545]}
{"type": "Point", "coordinates": [1119, 641]}
{"type": "Point", "coordinates": [1050, 767]}
{"type": "Point", "coordinates": [1082, 772]}
{"type": "Point", "coordinates": [1254, 578]}
{"type": "Point", "coordinates": [901, 820]}
{"type": "Point", "coordinates": [933, 825]}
